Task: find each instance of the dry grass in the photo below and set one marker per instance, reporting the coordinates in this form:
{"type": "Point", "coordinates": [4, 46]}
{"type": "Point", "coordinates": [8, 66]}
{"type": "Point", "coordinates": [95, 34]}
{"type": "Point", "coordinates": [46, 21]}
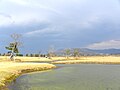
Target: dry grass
{"type": "Point", "coordinates": [35, 59]}
{"type": "Point", "coordinates": [10, 70]}
{"type": "Point", "coordinates": [25, 59]}
{"type": "Point", "coordinates": [112, 59]}
{"type": "Point", "coordinates": [84, 59]}
{"type": "Point", "coordinates": [93, 60]}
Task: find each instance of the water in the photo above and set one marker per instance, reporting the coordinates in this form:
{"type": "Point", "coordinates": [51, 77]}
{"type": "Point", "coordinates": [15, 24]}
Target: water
{"type": "Point", "coordinates": [72, 77]}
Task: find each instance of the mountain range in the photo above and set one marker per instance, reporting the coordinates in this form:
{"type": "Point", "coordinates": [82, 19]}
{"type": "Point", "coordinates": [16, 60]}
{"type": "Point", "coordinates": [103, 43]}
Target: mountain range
{"type": "Point", "coordinates": [86, 51]}
{"type": "Point", "coordinates": [103, 51]}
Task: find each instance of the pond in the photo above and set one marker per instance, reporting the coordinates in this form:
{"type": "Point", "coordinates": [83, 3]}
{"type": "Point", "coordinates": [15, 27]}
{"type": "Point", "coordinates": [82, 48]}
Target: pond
{"type": "Point", "coordinates": [71, 77]}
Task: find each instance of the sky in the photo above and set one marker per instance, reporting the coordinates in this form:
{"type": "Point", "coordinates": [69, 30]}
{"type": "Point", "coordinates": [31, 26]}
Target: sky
{"type": "Point", "coordinates": [93, 24]}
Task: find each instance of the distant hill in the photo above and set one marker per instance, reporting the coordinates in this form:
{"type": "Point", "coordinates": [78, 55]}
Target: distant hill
{"type": "Point", "coordinates": [86, 51]}
{"type": "Point", "coordinates": [104, 51]}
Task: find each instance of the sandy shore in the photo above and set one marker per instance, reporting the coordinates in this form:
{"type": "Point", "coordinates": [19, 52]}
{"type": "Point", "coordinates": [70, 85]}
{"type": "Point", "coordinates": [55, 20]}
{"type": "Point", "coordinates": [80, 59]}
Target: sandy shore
{"type": "Point", "coordinates": [9, 71]}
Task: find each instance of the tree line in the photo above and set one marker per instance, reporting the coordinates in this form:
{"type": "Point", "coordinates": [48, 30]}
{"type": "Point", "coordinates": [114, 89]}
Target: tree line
{"type": "Point", "coordinates": [13, 50]}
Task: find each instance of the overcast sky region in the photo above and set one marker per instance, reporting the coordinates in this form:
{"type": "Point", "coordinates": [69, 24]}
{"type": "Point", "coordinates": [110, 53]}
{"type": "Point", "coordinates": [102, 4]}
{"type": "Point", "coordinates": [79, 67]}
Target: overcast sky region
{"type": "Point", "coordinates": [93, 24]}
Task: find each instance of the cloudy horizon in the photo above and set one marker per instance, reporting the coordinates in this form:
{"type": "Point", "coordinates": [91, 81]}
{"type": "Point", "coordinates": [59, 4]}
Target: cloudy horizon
{"type": "Point", "coordinates": [61, 23]}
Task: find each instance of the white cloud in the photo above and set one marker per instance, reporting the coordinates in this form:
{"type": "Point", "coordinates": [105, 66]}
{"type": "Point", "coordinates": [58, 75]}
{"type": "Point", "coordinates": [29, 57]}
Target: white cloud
{"type": "Point", "coordinates": [5, 19]}
{"type": "Point", "coordinates": [42, 32]}
{"type": "Point", "coordinates": [25, 11]}
{"type": "Point", "coordinates": [76, 20]}
{"type": "Point", "coordinates": [21, 2]}
{"type": "Point", "coordinates": [90, 20]}
{"type": "Point", "coordinates": [105, 45]}
{"type": "Point", "coordinates": [80, 11]}
{"type": "Point", "coordinates": [34, 4]}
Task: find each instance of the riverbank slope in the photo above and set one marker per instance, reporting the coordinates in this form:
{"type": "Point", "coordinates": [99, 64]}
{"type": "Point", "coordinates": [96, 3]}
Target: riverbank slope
{"type": "Point", "coordinates": [9, 71]}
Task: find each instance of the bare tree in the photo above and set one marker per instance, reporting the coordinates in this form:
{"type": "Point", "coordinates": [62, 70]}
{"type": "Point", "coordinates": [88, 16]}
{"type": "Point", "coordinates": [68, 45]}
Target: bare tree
{"type": "Point", "coordinates": [51, 52]}
{"type": "Point", "coordinates": [39, 53]}
{"type": "Point", "coordinates": [67, 52]}
{"type": "Point", "coordinates": [16, 37]}
{"type": "Point", "coordinates": [13, 46]}
{"type": "Point", "coordinates": [76, 52]}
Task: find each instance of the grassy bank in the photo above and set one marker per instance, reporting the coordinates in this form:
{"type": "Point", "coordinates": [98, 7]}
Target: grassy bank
{"type": "Point", "coordinates": [112, 59]}
{"type": "Point", "coordinates": [91, 60]}
{"type": "Point", "coordinates": [25, 59]}
{"type": "Point", "coordinates": [83, 62]}
{"type": "Point", "coordinates": [10, 70]}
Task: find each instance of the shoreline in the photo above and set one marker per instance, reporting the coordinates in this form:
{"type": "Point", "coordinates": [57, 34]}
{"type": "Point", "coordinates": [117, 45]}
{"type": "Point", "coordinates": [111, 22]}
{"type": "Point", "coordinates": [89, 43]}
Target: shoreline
{"type": "Point", "coordinates": [13, 70]}
{"type": "Point", "coordinates": [90, 60]}
{"type": "Point", "coordinates": [9, 70]}
{"type": "Point", "coordinates": [82, 62]}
